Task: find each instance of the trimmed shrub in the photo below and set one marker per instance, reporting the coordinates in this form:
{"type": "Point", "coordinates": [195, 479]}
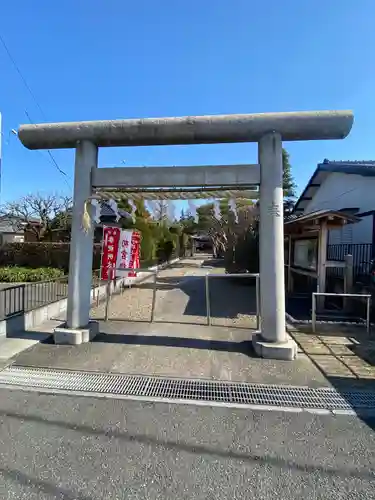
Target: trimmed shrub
{"type": "Point", "coordinates": [39, 255]}
{"type": "Point", "coordinates": [26, 274]}
{"type": "Point", "coordinates": [148, 245]}
{"type": "Point", "coordinates": [184, 244]}
{"type": "Point", "coordinates": [157, 244]}
{"type": "Point", "coordinates": [165, 250]}
{"type": "Point", "coordinates": [245, 256]}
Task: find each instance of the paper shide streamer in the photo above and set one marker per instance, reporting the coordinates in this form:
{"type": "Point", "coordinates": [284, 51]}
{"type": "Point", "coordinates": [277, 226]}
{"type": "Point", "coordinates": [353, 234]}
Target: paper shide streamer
{"type": "Point", "coordinates": [171, 211]}
{"type": "Point", "coordinates": [217, 211]}
{"type": "Point", "coordinates": [233, 207]}
{"type": "Point", "coordinates": [95, 201]}
{"type": "Point", "coordinates": [150, 206]}
{"type": "Point", "coordinates": [133, 209]}
{"type": "Point", "coordinates": [113, 206]}
{"type": "Point", "coordinates": [193, 210]}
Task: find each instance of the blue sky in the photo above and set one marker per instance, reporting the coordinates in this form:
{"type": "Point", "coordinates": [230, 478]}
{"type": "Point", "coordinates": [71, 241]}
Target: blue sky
{"type": "Point", "coordinates": [107, 59]}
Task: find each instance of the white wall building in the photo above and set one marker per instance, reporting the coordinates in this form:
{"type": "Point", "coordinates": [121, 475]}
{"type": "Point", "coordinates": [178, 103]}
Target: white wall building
{"type": "Point", "coordinates": [10, 232]}
{"type": "Point", "coordinates": [348, 186]}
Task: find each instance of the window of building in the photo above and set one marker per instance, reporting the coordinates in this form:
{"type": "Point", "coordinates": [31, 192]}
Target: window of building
{"type": "Point", "coordinates": [305, 254]}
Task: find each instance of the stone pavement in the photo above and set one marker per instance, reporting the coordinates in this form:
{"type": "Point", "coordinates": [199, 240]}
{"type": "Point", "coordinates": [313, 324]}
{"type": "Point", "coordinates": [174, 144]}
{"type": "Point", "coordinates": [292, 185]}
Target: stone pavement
{"type": "Point", "coordinates": [345, 354]}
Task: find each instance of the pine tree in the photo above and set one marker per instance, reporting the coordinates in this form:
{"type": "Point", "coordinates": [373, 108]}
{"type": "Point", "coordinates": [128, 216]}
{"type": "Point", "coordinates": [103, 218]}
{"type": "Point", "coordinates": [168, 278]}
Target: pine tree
{"type": "Point", "coordinates": [289, 186]}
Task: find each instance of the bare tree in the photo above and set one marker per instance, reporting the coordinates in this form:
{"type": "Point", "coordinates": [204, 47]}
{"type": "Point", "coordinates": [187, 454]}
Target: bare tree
{"type": "Point", "coordinates": [225, 231]}
{"type": "Point", "coordinates": [41, 215]}
{"type": "Point", "coordinates": [160, 210]}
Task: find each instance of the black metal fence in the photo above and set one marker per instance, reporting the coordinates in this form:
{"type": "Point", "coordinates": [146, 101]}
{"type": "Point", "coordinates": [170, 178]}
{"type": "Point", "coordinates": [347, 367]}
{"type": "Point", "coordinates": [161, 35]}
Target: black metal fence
{"type": "Point", "coordinates": [362, 255]}
{"type": "Point", "coordinates": [12, 301]}
{"type": "Point", "coordinates": [24, 297]}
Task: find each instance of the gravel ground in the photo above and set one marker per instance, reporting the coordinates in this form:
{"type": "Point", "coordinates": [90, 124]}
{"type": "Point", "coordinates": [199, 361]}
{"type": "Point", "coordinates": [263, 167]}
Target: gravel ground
{"type": "Point", "coordinates": [180, 298]}
{"type": "Point", "coordinates": [76, 448]}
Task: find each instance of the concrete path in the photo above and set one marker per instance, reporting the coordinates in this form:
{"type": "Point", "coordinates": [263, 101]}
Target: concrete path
{"type": "Point", "coordinates": [178, 343]}
{"type": "Point", "coordinates": [82, 448]}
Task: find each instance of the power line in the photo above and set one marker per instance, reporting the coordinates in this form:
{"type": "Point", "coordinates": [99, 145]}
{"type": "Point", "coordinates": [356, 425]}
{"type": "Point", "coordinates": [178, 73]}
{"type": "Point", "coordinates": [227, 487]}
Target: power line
{"type": "Point", "coordinates": [21, 75]}
{"type": "Point", "coordinates": [60, 170]}
{"type": "Point", "coordinates": [51, 155]}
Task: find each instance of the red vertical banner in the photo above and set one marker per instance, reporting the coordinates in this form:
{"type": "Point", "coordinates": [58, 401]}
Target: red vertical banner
{"type": "Point", "coordinates": [124, 250]}
{"type": "Point", "coordinates": [138, 254]}
{"type": "Point", "coordinates": [135, 249]}
{"type": "Point", "coordinates": [110, 246]}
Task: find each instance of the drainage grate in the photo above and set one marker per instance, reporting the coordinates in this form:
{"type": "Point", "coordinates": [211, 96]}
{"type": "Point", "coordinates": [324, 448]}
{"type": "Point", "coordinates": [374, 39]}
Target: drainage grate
{"type": "Point", "coordinates": [158, 388]}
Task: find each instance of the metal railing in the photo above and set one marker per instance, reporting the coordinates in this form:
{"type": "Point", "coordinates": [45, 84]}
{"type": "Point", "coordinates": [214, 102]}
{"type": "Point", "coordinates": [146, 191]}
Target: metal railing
{"type": "Point", "coordinates": [238, 275]}
{"type": "Point", "coordinates": [12, 301]}
{"type": "Point", "coordinates": [18, 299]}
{"type": "Point", "coordinates": [361, 252]}
{"type": "Point", "coordinates": [362, 255]}
{"type": "Point", "coordinates": [132, 270]}
{"type": "Point", "coordinates": [207, 291]}
{"type": "Point", "coordinates": [348, 295]}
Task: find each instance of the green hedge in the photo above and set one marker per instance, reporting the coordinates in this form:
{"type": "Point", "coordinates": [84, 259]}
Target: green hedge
{"type": "Point", "coordinates": [26, 274]}
{"type": "Point", "coordinates": [245, 255]}
{"type": "Point", "coordinates": [158, 244]}
{"type": "Point", "coordinates": [39, 255]}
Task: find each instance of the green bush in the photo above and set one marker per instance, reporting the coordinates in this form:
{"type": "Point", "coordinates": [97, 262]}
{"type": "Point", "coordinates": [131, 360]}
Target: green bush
{"type": "Point", "coordinates": [175, 229]}
{"type": "Point", "coordinates": [56, 255]}
{"type": "Point", "coordinates": [39, 255]}
{"type": "Point", "coordinates": [175, 240]}
{"type": "Point", "coordinates": [184, 244]}
{"type": "Point", "coordinates": [245, 255]}
{"type": "Point", "coordinates": [165, 250]}
{"type": "Point", "coordinates": [25, 274]}
{"type": "Point", "coordinates": [148, 246]}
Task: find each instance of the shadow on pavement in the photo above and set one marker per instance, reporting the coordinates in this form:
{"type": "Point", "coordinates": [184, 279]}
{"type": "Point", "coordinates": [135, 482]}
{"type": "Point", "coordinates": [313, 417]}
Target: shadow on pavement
{"type": "Point", "coordinates": [265, 459]}
{"type": "Point", "coordinates": [365, 351]}
{"type": "Point", "coordinates": [299, 307]}
{"type": "Point", "coordinates": [227, 298]}
{"type": "Point", "coordinates": [156, 321]}
{"type": "Point", "coordinates": [244, 347]}
{"type": "Point", "coordinates": [344, 354]}
{"type": "Point", "coordinates": [213, 263]}
{"type": "Point", "coordinates": [42, 337]}
{"type": "Point", "coordinates": [41, 485]}
{"type": "Point", "coordinates": [342, 386]}
{"type": "Point", "coordinates": [189, 265]}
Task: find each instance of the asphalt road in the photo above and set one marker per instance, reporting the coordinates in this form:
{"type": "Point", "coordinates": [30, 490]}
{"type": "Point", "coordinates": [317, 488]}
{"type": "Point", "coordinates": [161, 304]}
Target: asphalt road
{"type": "Point", "coordinates": [82, 448]}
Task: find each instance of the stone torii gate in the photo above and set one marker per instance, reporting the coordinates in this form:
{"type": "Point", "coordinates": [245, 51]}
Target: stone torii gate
{"type": "Point", "coordinates": [268, 129]}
